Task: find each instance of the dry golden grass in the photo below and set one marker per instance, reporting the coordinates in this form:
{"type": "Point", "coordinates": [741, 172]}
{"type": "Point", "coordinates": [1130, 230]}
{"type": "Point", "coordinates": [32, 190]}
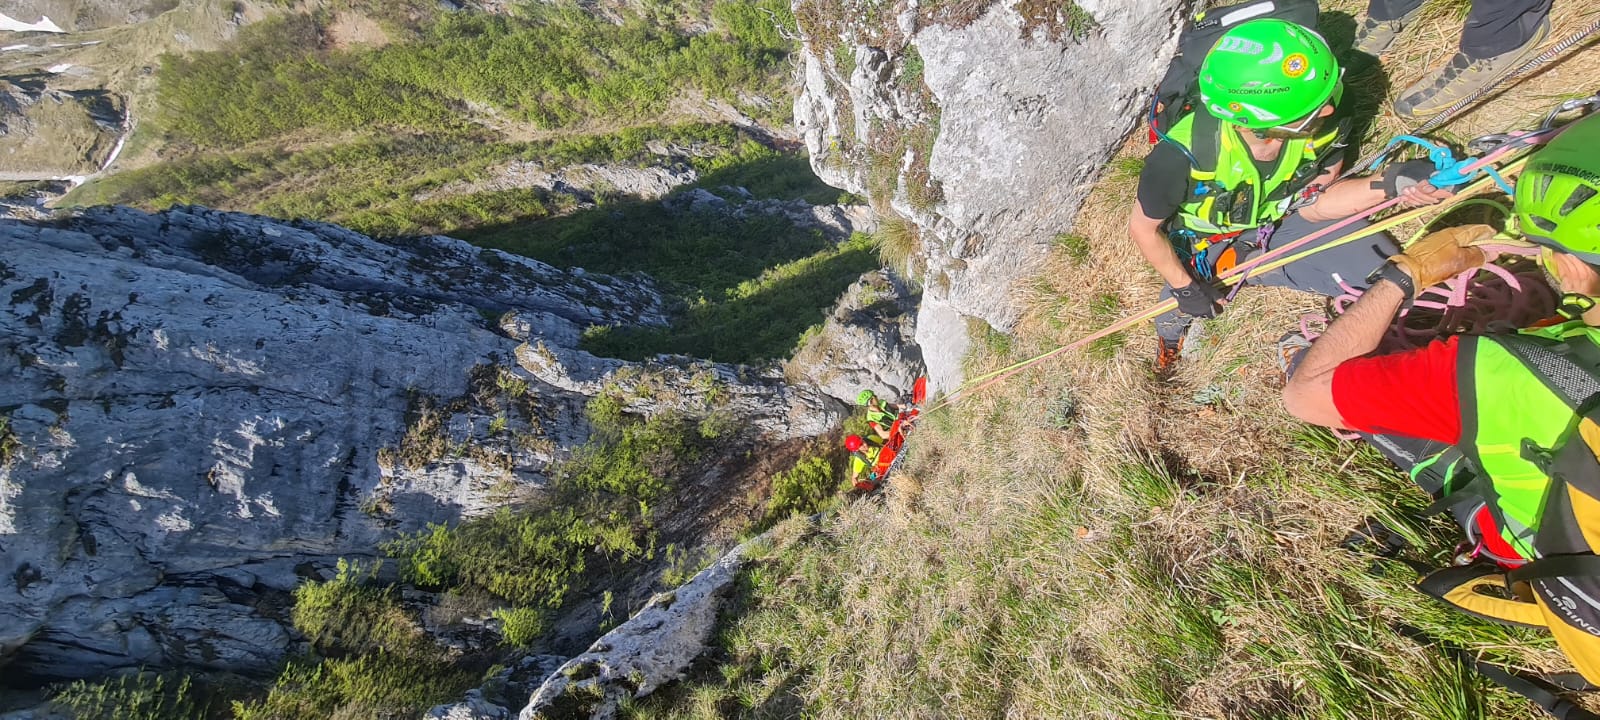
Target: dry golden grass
{"type": "Point", "coordinates": [1087, 541]}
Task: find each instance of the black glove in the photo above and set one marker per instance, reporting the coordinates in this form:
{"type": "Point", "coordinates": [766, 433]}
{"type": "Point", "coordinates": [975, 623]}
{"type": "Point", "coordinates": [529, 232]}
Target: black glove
{"type": "Point", "coordinates": [1404, 175]}
{"type": "Point", "coordinates": [1198, 299]}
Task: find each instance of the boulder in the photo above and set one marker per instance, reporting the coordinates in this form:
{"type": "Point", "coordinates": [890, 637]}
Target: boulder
{"type": "Point", "coordinates": [868, 343]}
{"type": "Point", "coordinates": [652, 648]}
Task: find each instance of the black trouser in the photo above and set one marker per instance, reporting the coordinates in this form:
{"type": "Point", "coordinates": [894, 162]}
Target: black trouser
{"type": "Point", "coordinates": [1494, 27]}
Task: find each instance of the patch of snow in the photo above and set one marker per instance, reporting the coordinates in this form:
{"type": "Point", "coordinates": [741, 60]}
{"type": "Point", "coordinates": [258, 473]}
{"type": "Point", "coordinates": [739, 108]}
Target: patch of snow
{"type": "Point", "coordinates": [117, 150]}
{"type": "Point", "coordinates": [44, 25]}
{"type": "Point", "coordinates": [9, 48]}
{"type": "Point", "coordinates": [58, 69]}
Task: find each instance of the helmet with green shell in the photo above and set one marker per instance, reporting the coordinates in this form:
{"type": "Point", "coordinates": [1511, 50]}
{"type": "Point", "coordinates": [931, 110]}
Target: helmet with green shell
{"type": "Point", "coordinates": [865, 397]}
{"type": "Point", "coordinates": [1266, 73]}
{"type": "Point", "coordinates": [1558, 195]}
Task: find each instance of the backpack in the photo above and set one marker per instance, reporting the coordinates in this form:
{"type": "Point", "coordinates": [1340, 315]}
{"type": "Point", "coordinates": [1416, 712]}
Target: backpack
{"type": "Point", "coordinates": [1179, 88]}
{"type": "Point", "coordinates": [1559, 589]}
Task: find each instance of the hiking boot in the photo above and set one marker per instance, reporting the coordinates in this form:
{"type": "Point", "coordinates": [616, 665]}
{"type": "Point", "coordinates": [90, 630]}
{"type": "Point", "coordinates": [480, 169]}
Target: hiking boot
{"type": "Point", "coordinates": [1375, 37]}
{"type": "Point", "coordinates": [1167, 354]}
{"type": "Point", "coordinates": [1462, 77]}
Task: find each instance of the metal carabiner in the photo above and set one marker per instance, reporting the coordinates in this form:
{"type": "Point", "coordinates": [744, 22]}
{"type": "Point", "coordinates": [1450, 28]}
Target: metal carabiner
{"type": "Point", "coordinates": [1489, 143]}
{"type": "Point", "coordinates": [1589, 104]}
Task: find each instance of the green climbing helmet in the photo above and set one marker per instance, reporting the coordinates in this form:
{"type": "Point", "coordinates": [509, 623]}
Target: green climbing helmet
{"type": "Point", "coordinates": [1558, 195]}
{"type": "Point", "coordinates": [1266, 73]}
{"type": "Point", "coordinates": [865, 397]}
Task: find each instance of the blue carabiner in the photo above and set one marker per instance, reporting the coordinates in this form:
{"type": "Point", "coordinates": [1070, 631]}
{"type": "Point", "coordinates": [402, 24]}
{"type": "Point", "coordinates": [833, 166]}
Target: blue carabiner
{"type": "Point", "coordinates": [1438, 154]}
{"type": "Point", "coordinates": [1449, 172]}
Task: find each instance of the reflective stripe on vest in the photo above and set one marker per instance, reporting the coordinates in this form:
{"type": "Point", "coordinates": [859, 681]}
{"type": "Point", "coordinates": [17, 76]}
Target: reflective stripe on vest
{"type": "Point", "coordinates": [1504, 405]}
{"type": "Point", "coordinates": [1234, 170]}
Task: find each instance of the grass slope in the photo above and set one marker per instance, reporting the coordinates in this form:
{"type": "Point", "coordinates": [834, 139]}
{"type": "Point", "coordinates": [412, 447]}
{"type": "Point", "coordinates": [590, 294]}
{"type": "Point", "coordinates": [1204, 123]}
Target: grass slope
{"type": "Point", "coordinates": [1085, 541]}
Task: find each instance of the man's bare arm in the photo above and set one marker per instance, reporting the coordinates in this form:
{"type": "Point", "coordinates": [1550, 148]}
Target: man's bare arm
{"type": "Point", "coordinates": [1309, 394]}
{"type": "Point", "coordinates": [1146, 234]}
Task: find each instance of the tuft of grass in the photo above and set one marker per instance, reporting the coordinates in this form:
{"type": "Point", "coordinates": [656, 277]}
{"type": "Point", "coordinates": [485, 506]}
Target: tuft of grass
{"type": "Point", "coordinates": [899, 244]}
{"type": "Point", "coordinates": [1075, 246]}
{"type": "Point", "coordinates": [10, 446]}
{"type": "Point", "coordinates": [140, 696]}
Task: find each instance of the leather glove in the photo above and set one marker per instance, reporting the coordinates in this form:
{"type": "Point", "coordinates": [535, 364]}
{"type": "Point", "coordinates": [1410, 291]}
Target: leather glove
{"type": "Point", "coordinates": [1198, 299]}
{"type": "Point", "coordinates": [1444, 254]}
{"type": "Point", "coordinates": [1404, 175]}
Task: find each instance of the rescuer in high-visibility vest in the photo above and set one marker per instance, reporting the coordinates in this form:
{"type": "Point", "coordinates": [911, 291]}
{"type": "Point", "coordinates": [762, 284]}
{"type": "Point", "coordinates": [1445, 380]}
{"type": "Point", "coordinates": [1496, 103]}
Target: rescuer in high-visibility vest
{"type": "Point", "coordinates": [1516, 410]}
{"type": "Point", "coordinates": [1256, 163]}
{"type": "Point", "coordinates": [863, 455]}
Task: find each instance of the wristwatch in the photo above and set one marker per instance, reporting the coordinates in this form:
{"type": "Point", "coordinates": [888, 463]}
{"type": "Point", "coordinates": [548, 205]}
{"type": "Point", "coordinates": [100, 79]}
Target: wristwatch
{"type": "Point", "coordinates": [1392, 272]}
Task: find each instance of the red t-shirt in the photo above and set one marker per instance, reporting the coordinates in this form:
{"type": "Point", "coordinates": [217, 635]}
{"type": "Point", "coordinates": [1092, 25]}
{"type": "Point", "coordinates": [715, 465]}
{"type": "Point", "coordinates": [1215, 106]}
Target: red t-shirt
{"type": "Point", "coordinates": [1411, 393]}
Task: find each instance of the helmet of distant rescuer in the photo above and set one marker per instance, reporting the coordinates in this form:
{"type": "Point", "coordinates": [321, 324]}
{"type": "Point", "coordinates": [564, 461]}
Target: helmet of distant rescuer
{"type": "Point", "coordinates": [1267, 73]}
{"type": "Point", "coordinates": [865, 397]}
{"type": "Point", "coordinates": [853, 442]}
{"type": "Point", "coordinates": [1558, 195]}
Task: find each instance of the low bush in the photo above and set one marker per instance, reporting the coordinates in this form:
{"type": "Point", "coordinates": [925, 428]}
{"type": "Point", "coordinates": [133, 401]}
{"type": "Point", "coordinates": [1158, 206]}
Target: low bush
{"type": "Point", "coordinates": [805, 489]}
{"type": "Point", "coordinates": [375, 685]}
{"type": "Point", "coordinates": [599, 511]}
{"type": "Point", "coordinates": [353, 614]}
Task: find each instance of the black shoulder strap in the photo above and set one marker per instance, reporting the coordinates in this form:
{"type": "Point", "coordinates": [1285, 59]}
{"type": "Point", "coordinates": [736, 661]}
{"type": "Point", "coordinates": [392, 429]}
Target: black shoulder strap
{"type": "Point", "coordinates": [1541, 691]}
{"type": "Point", "coordinates": [1556, 566]}
{"type": "Point", "coordinates": [1570, 369]}
{"type": "Point", "coordinates": [1206, 140]}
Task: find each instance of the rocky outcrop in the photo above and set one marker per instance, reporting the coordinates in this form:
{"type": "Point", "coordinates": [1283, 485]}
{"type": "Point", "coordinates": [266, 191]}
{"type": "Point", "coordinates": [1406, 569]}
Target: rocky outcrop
{"type": "Point", "coordinates": [203, 408]}
{"type": "Point", "coordinates": [583, 182]}
{"type": "Point", "coordinates": [867, 343]}
{"type": "Point", "coordinates": [652, 648]}
{"type": "Point", "coordinates": [984, 123]}
{"type": "Point", "coordinates": [51, 133]}
{"type": "Point", "coordinates": [836, 222]}
{"type": "Point", "coordinates": [80, 15]}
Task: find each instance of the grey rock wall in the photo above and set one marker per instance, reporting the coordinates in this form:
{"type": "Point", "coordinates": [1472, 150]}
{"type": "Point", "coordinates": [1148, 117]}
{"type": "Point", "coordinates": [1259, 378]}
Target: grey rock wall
{"type": "Point", "coordinates": [203, 408]}
{"type": "Point", "coordinates": [1027, 114]}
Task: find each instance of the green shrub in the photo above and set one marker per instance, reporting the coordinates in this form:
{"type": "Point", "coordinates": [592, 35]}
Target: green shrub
{"type": "Point", "coordinates": [805, 488]}
{"type": "Point", "coordinates": [600, 510]}
{"type": "Point", "coordinates": [145, 696]}
{"type": "Point", "coordinates": [528, 559]}
{"type": "Point", "coordinates": [350, 614]}
{"type": "Point", "coordinates": [371, 686]}
{"type": "Point", "coordinates": [520, 627]}
{"type": "Point", "coordinates": [10, 446]}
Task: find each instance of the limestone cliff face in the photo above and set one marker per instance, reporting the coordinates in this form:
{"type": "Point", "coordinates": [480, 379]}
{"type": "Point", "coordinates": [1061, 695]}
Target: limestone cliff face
{"type": "Point", "coordinates": [202, 409]}
{"type": "Point", "coordinates": [982, 123]}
